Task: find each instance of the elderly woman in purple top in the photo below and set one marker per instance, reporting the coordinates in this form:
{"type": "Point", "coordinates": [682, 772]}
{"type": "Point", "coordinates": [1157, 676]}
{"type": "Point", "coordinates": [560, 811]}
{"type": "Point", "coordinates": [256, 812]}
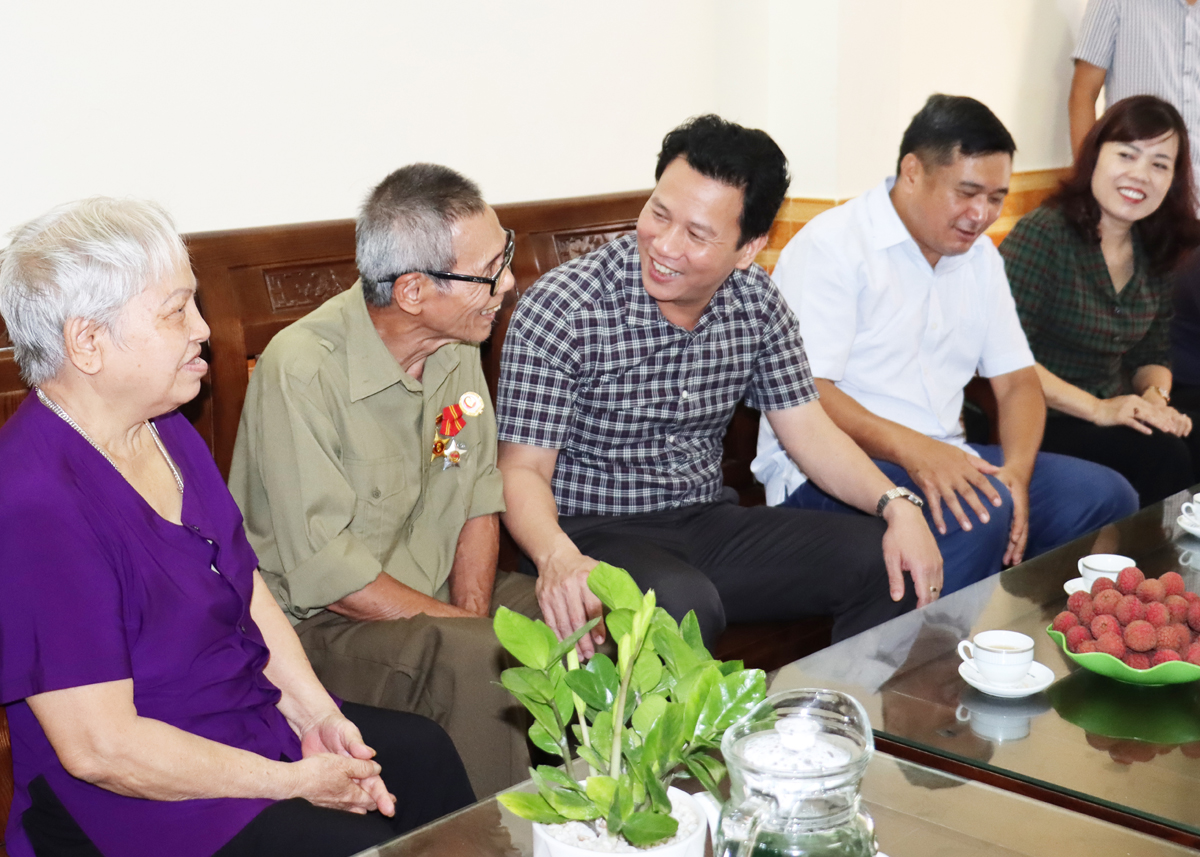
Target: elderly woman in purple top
{"type": "Point", "coordinates": [159, 702]}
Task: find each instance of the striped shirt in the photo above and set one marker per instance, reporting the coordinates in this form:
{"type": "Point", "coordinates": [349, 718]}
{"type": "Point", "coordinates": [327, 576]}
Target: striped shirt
{"type": "Point", "coordinates": [636, 406]}
{"type": "Point", "coordinates": [1147, 47]}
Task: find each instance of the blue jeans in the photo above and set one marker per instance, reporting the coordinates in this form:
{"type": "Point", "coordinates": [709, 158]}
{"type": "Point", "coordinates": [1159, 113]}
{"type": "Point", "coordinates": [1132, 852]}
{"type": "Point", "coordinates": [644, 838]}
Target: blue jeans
{"type": "Point", "coordinates": [1068, 497]}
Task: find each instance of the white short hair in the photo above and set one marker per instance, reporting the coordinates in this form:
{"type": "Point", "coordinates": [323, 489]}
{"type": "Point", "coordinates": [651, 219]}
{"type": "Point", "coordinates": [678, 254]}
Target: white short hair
{"type": "Point", "coordinates": [85, 259]}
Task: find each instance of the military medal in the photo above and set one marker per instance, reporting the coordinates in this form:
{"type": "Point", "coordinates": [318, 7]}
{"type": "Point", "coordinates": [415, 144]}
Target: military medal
{"type": "Point", "coordinates": [450, 422]}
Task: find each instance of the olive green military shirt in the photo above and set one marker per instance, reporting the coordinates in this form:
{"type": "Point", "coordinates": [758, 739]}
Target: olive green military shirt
{"type": "Point", "coordinates": [332, 466]}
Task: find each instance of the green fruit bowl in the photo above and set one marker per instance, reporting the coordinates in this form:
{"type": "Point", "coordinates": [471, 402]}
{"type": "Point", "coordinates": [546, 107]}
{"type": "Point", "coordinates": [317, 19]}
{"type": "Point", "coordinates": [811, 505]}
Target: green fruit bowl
{"type": "Point", "coordinates": [1172, 672]}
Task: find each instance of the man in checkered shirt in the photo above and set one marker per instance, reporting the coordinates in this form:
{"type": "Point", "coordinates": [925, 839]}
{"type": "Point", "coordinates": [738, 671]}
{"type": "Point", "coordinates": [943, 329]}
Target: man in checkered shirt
{"type": "Point", "coordinates": [620, 373]}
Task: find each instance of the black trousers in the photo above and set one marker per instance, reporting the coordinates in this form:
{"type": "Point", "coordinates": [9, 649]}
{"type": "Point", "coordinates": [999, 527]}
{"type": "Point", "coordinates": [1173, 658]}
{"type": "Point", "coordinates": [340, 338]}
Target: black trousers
{"type": "Point", "coordinates": [1157, 465]}
{"type": "Point", "coordinates": [731, 563]}
{"type": "Point", "coordinates": [420, 767]}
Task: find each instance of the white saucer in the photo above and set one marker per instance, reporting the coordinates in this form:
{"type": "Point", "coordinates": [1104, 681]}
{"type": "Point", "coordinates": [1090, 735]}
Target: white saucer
{"type": "Point", "coordinates": [1188, 526]}
{"type": "Point", "coordinates": [1038, 679]}
{"type": "Point", "coordinates": [1078, 584]}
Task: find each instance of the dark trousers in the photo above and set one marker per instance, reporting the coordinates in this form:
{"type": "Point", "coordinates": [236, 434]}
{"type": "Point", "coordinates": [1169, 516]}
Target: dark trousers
{"type": "Point", "coordinates": [420, 767]}
{"type": "Point", "coordinates": [731, 563]}
{"type": "Point", "coordinates": [1157, 465]}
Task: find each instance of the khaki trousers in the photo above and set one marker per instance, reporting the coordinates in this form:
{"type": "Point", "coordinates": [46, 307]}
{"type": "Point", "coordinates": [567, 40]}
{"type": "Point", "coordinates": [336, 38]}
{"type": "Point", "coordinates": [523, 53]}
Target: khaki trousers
{"type": "Point", "coordinates": [445, 669]}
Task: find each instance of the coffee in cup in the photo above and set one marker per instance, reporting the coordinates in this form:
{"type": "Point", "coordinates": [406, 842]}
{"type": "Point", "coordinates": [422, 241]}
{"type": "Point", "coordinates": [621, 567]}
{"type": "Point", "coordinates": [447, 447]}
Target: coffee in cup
{"type": "Point", "coordinates": [1001, 657]}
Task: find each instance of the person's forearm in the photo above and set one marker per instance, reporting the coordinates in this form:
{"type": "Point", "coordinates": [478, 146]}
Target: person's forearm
{"type": "Point", "coordinates": [531, 516]}
{"type": "Point", "coordinates": [878, 437]}
{"type": "Point", "coordinates": [474, 572]}
{"type": "Point", "coordinates": [146, 758]}
{"type": "Point", "coordinates": [304, 700]}
{"type": "Point", "coordinates": [1021, 411]}
{"type": "Point", "coordinates": [1151, 375]}
{"type": "Point", "coordinates": [1086, 84]}
{"type": "Point", "coordinates": [386, 598]}
{"type": "Point", "coordinates": [829, 457]}
{"type": "Point", "coordinates": [1066, 397]}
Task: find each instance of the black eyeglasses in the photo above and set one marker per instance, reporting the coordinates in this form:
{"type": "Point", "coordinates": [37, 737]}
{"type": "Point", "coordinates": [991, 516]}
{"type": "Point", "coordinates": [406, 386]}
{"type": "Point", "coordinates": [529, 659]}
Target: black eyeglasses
{"type": "Point", "coordinates": [510, 247]}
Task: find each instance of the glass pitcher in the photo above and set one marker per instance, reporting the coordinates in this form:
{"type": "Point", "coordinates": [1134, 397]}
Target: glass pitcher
{"type": "Point", "coordinates": [795, 765]}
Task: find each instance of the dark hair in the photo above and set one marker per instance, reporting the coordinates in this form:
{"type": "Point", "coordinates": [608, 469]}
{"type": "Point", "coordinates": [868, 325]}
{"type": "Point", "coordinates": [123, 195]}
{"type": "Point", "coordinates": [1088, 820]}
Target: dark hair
{"type": "Point", "coordinates": [405, 225]}
{"type": "Point", "coordinates": [1168, 233]}
{"type": "Point", "coordinates": [954, 124]}
{"type": "Point", "coordinates": [744, 158]}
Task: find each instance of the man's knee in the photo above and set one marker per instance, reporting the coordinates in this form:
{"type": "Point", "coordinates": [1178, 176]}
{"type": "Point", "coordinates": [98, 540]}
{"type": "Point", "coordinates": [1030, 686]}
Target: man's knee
{"type": "Point", "coordinates": [1100, 494]}
{"type": "Point", "coordinates": [678, 591]}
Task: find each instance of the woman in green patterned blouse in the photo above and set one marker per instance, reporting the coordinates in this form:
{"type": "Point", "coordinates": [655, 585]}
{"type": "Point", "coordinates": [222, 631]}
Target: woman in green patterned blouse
{"type": "Point", "coordinates": [1090, 272]}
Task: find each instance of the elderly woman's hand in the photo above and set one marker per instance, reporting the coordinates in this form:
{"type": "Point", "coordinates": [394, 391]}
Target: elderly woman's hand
{"type": "Point", "coordinates": [339, 782]}
{"type": "Point", "coordinates": [334, 734]}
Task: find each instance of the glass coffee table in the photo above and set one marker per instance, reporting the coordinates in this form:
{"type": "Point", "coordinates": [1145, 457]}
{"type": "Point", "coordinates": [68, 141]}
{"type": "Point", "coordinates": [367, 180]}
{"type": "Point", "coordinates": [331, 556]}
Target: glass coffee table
{"type": "Point", "coordinates": [918, 812]}
{"type": "Point", "coordinates": [1127, 754]}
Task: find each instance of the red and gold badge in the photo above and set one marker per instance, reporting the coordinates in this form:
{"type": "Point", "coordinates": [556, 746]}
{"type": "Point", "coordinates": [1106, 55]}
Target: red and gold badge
{"type": "Point", "coordinates": [450, 422]}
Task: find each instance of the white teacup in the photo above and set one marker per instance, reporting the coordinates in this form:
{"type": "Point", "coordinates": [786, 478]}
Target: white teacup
{"type": "Point", "coordinates": [1190, 558]}
{"type": "Point", "coordinates": [1097, 565]}
{"type": "Point", "coordinates": [1191, 511]}
{"type": "Point", "coordinates": [1002, 657]}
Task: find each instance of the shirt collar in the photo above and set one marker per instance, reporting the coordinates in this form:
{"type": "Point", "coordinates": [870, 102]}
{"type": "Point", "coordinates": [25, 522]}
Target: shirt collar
{"type": "Point", "coordinates": [643, 309]}
{"type": "Point", "coordinates": [888, 230]}
{"type": "Point", "coordinates": [370, 366]}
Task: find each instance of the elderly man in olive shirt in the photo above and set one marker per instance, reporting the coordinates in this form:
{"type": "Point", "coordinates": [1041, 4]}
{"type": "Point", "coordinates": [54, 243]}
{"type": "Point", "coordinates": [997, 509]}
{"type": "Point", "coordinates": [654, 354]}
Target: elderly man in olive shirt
{"type": "Point", "coordinates": [365, 466]}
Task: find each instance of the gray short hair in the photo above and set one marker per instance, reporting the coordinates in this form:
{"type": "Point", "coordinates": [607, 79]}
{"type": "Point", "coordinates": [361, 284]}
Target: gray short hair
{"type": "Point", "coordinates": [85, 259]}
{"type": "Point", "coordinates": [405, 226]}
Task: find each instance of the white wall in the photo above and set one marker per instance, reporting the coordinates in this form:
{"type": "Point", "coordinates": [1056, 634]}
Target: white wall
{"type": "Point", "coordinates": [247, 112]}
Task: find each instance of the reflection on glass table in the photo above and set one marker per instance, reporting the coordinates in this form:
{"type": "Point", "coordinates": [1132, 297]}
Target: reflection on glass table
{"type": "Point", "coordinates": [1059, 742]}
{"type": "Point", "coordinates": [918, 813]}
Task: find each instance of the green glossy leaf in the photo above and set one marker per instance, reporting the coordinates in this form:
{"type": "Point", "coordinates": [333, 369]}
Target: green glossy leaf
{"type": "Point", "coordinates": [661, 750]}
{"type": "Point", "coordinates": [689, 629]}
{"type": "Point", "coordinates": [645, 828]}
{"type": "Point", "coordinates": [532, 643]}
{"type": "Point", "coordinates": [647, 713]}
{"type": "Point", "coordinates": [564, 700]}
{"type": "Point", "coordinates": [692, 690]}
{"type": "Point", "coordinates": [569, 643]}
{"type": "Point", "coordinates": [664, 620]}
{"type": "Point", "coordinates": [709, 771]}
{"type": "Point", "coordinates": [592, 689]}
{"type": "Point", "coordinates": [543, 740]}
{"type": "Point", "coordinates": [532, 807]}
{"type": "Point", "coordinates": [619, 623]}
{"type": "Point", "coordinates": [544, 715]}
{"type": "Point", "coordinates": [729, 699]}
{"type": "Point", "coordinates": [647, 671]}
{"type": "Point", "coordinates": [614, 587]}
{"type": "Point", "coordinates": [602, 734]}
{"type": "Point", "coordinates": [571, 804]}
{"type": "Point", "coordinates": [657, 793]}
{"type": "Point", "coordinates": [730, 667]}
{"type": "Point", "coordinates": [589, 755]}
{"type": "Point", "coordinates": [531, 683]}
{"type": "Point", "coordinates": [601, 790]}
{"type": "Point", "coordinates": [678, 655]}
{"type": "Point", "coordinates": [603, 668]}
{"type": "Point", "coordinates": [546, 776]}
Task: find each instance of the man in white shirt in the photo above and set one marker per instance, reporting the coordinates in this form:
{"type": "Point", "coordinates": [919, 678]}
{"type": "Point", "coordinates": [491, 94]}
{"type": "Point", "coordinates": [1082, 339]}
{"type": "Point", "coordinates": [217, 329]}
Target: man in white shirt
{"type": "Point", "coordinates": [901, 299]}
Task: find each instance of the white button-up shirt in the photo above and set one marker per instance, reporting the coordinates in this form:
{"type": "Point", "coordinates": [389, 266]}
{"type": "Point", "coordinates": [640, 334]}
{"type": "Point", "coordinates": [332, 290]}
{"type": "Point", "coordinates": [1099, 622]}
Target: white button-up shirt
{"type": "Point", "coordinates": [899, 337]}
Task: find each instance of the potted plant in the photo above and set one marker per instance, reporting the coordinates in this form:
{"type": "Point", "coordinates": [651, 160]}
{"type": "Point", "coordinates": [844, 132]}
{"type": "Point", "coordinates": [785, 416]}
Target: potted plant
{"type": "Point", "coordinates": [652, 717]}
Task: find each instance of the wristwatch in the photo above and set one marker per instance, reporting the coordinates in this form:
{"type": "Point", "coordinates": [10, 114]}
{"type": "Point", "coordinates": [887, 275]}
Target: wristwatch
{"type": "Point", "coordinates": [1166, 397]}
{"type": "Point", "coordinates": [898, 491]}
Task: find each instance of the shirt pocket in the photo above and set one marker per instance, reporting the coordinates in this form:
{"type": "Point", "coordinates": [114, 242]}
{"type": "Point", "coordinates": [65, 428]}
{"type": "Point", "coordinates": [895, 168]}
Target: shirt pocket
{"type": "Point", "coordinates": [385, 491]}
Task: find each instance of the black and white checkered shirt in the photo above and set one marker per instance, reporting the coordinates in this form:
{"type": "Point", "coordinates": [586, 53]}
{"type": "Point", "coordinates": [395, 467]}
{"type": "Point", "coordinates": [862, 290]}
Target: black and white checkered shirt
{"type": "Point", "coordinates": [636, 406]}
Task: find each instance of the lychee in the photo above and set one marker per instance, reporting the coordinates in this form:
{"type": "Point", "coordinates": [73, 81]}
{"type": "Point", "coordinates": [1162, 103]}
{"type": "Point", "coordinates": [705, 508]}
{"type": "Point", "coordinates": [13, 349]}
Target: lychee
{"type": "Point", "coordinates": [1137, 660]}
{"type": "Point", "coordinates": [1172, 582]}
{"type": "Point", "coordinates": [1110, 644]}
{"type": "Point", "coordinates": [1163, 655]}
{"type": "Point", "coordinates": [1105, 624]}
{"type": "Point", "coordinates": [1106, 602]}
{"type": "Point", "coordinates": [1077, 600]}
{"type": "Point", "coordinates": [1063, 621]}
{"type": "Point", "coordinates": [1129, 609]}
{"type": "Point", "coordinates": [1177, 606]}
{"type": "Point", "coordinates": [1128, 579]}
{"type": "Point", "coordinates": [1151, 590]}
{"type": "Point", "coordinates": [1077, 635]}
{"type": "Point", "coordinates": [1100, 584]}
{"type": "Point", "coordinates": [1140, 636]}
{"type": "Point", "coordinates": [1157, 613]}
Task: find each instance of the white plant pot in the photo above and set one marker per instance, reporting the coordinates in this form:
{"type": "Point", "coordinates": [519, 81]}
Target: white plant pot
{"type": "Point", "coordinates": [545, 845]}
